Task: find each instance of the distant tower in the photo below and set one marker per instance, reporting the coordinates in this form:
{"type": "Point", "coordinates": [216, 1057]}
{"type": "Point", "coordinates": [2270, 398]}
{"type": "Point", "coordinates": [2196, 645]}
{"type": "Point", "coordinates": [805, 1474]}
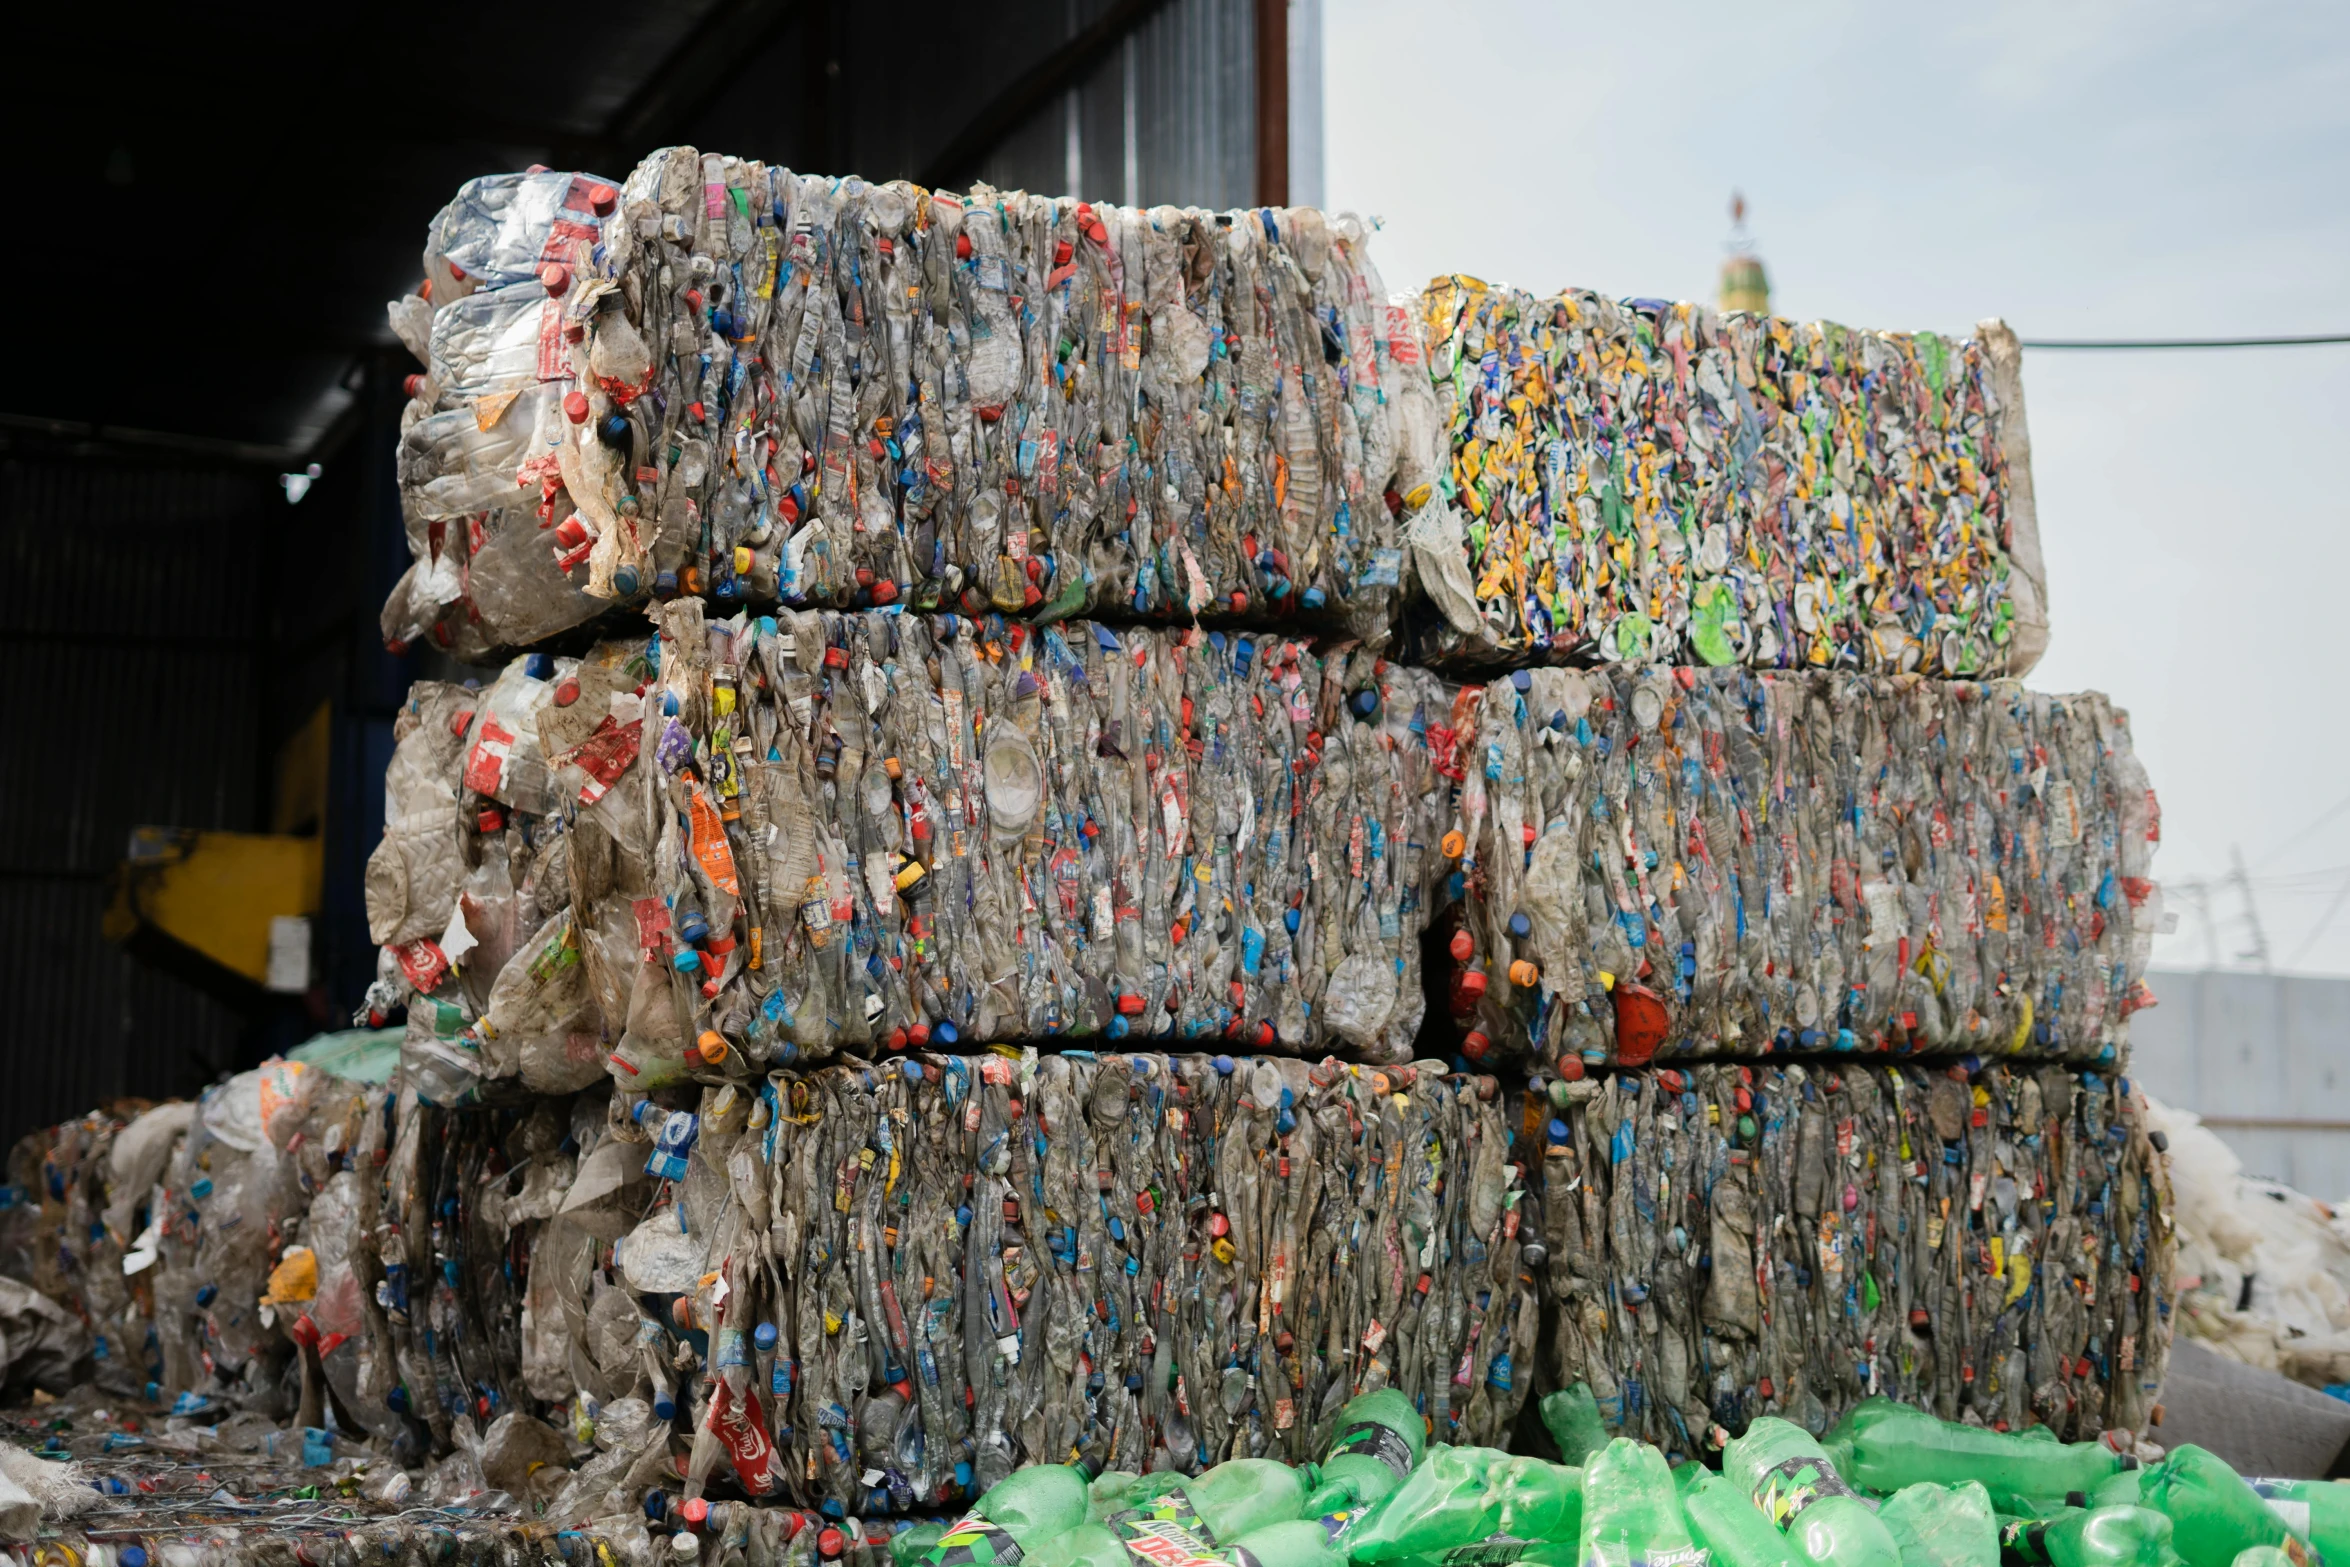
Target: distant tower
{"type": "Point", "coordinates": [1745, 286]}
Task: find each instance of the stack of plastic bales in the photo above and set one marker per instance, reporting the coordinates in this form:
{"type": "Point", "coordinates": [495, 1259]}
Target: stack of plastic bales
{"type": "Point", "coordinates": [913, 966]}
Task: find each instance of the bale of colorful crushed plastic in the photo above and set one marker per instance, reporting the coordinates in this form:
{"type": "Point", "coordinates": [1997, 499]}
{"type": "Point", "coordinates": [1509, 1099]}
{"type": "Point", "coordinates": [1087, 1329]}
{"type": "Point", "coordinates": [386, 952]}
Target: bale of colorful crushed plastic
{"type": "Point", "coordinates": [1648, 481]}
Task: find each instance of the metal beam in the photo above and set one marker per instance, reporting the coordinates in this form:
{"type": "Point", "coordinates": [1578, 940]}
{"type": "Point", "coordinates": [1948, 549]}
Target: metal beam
{"type": "Point", "coordinates": [1037, 87]}
{"type": "Point", "coordinates": [1272, 72]}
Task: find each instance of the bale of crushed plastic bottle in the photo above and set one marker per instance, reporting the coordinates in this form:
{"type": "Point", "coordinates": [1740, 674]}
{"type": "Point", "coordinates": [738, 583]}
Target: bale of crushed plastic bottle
{"type": "Point", "coordinates": [769, 839]}
{"type": "Point", "coordinates": [1648, 481]}
{"type": "Point", "coordinates": [721, 378]}
{"type": "Point", "coordinates": [892, 1285]}
{"type": "Point", "coordinates": [1991, 1242]}
{"type": "Point", "coordinates": [1647, 864]}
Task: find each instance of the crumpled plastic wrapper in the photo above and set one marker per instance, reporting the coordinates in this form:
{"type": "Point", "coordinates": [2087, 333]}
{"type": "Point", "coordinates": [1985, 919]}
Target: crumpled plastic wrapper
{"type": "Point", "coordinates": [1656, 863]}
{"type": "Point", "coordinates": [1729, 1241]}
{"type": "Point", "coordinates": [723, 378]}
{"type": "Point", "coordinates": [1649, 481]}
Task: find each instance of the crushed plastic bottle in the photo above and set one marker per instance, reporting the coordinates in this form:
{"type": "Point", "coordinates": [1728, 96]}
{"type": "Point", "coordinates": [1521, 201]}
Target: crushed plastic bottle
{"type": "Point", "coordinates": [1942, 1525]}
{"type": "Point", "coordinates": [1461, 1497]}
{"type": "Point", "coordinates": [2214, 1512]}
{"type": "Point", "coordinates": [1886, 1446]}
{"type": "Point", "coordinates": [1797, 1487]}
{"type": "Point", "coordinates": [2090, 1537]}
{"type": "Point", "coordinates": [1632, 1512]}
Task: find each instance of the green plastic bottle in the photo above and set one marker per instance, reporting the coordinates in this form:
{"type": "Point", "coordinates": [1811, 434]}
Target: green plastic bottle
{"type": "Point", "coordinates": [1025, 1509]}
{"type": "Point", "coordinates": [1221, 1504]}
{"type": "Point", "coordinates": [1884, 1446]}
{"type": "Point", "coordinates": [2262, 1556]}
{"type": "Point", "coordinates": [1375, 1444]}
{"type": "Point", "coordinates": [1463, 1496]}
{"type": "Point", "coordinates": [1571, 1415]}
{"type": "Point", "coordinates": [1632, 1510]}
{"type": "Point", "coordinates": [2089, 1537]}
{"type": "Point", "coordinates": [1942, 1525]}
{"type": "Point", "coordinates": [1724, 1519]}
{"type": "Point", "coordinates": [1792, 1480]}
{"type": "Point", "coordinates": [2214, 1514]}
{"type": "Point", "coordinates": [1087, 1545]}
{"type": "Point", "coordinates": [1300, 1542]}
{"type": "Point", "coordinates": [908, 1546]}
{"type": "Point", "coordinates": [2317, 1511]}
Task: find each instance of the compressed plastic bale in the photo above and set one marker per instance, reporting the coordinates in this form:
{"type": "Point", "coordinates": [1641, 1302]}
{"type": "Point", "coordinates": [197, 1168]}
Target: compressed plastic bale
{"type": "Point", "coordinates": [1643, 480]}
{"type": "Point", "coordinates": [784, 837]}
{"type": "Point", "coordinates": [1653, 863]}
{"type": "Point", "coordinates": [936, 1273]}
{"type": "Point", "coordinates": [735, 381]}
{"type": "Point", "coordinates": [1727, 1241]}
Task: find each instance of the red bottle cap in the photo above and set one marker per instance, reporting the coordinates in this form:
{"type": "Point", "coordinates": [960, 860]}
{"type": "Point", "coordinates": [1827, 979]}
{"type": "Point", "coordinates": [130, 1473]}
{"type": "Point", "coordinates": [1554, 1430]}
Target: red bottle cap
{"type": "Point", "coordinates": [602, 199]}
{"type": "Point", "coordinates": [575, 407]}
{"type": "Point", "coordinates": [555, 278]}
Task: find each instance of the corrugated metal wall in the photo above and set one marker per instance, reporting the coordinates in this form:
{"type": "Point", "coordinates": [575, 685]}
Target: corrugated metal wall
{"type": "Point", "coordinates": [2264, 1059]}
{"type": "Point", "coordinates": [134, 676]}
{"type": "Point", "coordinates": [1169, 117]}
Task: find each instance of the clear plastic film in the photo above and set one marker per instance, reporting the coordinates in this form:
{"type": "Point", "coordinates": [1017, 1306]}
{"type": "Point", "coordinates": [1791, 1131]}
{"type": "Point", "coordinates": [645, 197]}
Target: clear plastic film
{"type": "Point", "coordinates": [1649, 863]}
{"type": "Point", "coordinates": [726, 379]}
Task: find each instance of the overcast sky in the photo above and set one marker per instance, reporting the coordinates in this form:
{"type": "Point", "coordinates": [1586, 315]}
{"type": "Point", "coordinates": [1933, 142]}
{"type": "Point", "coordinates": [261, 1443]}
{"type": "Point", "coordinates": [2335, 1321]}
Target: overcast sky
{"type": "Point", "coordinates": [2085, 170]}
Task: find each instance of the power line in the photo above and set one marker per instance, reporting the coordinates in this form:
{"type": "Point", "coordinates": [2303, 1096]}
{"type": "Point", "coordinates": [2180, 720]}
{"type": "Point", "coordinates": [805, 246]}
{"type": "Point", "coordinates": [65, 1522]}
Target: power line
{"type": "Point", "coordinates": [2306, 340]}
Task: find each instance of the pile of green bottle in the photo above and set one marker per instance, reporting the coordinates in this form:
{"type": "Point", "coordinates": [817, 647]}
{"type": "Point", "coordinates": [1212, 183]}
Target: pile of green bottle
{"type": "Point", "coordinates": [1891, 1486]}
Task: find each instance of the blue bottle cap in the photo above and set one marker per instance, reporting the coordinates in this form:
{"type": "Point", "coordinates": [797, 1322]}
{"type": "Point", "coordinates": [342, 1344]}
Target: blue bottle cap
{"type": "Point", "coordinates": [1313, 598]}
{"type": "Point", "coordinates": [764, 1336]}
{"type": "Point", "coordinates": [539, 666]}
{"type": "Point", "coordinates": [1521, 681]}
{"type": "Point", "coordinates": [1520, 926]}
{"type": "Point", "coordinates": [946, 1033]}
{"type": "Point", "coordinates": [1223, 1066]}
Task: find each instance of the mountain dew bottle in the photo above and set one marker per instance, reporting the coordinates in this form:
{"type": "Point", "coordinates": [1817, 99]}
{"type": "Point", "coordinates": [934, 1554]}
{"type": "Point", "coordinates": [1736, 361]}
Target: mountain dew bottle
{"type": "Point", "coordinates": [1087, 1545]}
{"type": "Point", "coordinates": [1470, 1496]}
{"type": "Point", "coordinates": [1300, 1542]}
{"type": "Point", "coordinates": [1571, 1416]}
{"type": "Point", "coordinates": [2214, 1514]}
{"type": "Point", "coordinates": [1014, 1519]}
{"type": "Point", "coordinates": [1221, 1504]}
{"type": "Point", "coordinates": [2316, 1510]}
{"type": "Point", "coordinates": [1885, 1446]}
{"type": "Point", "coordinates": [2089, 1537]}
{"type": "Point", "coordinates": [1375, 1444]}
{"type": "Point", "coordinates": [1724, 1519]}
{"type": "Point", "coordinates": [1791, 1480]}
{"type": "Point", "coordinates": [1631, 1510]}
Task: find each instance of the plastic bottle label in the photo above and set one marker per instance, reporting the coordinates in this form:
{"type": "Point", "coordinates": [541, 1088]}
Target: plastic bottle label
{"type": "Point", "coordinates": [972, 1541]}
{"type": "Point", "coordinates": [1788, 1488]}
{"type": "Point", "coordinates": [1376, 1441]}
